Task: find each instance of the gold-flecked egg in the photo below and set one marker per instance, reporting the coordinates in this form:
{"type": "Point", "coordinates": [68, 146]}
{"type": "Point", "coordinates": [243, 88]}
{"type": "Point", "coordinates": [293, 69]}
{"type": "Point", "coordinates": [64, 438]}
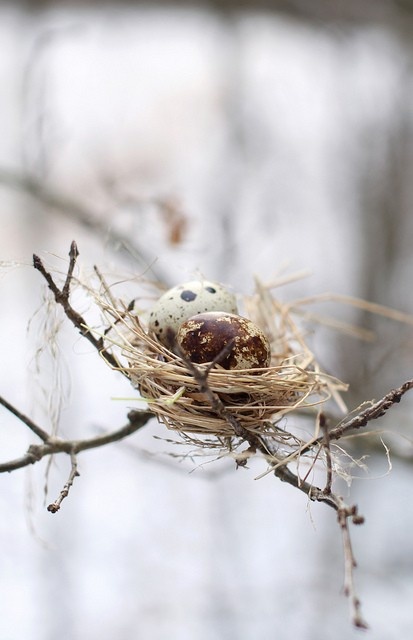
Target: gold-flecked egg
{"type": "Point", "coordinates": [204, 336]}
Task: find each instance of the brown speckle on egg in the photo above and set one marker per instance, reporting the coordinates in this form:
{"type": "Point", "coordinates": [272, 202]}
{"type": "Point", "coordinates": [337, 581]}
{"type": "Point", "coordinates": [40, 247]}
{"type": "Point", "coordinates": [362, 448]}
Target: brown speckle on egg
{"type": "Point", "coordinates": [203, 337]}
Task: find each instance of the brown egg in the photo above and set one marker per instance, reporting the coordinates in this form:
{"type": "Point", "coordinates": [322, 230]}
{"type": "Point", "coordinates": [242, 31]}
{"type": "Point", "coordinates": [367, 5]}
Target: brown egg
{"type": "Point", "coordinates": [202, 338]}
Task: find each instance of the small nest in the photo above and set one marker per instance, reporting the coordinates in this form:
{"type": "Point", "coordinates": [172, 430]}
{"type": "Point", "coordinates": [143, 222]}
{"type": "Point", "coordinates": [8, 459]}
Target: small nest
{"type": "Point", "coordinates": [256, 398]}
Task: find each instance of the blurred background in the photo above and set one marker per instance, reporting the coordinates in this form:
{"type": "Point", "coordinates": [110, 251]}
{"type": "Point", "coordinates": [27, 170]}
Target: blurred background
{"type": "Point", "coordinates": [232, 139]}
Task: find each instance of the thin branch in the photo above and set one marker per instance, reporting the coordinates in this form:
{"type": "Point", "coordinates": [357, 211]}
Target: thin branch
{"type": "Point", "coordinates": [376, 410]}
{"type": "Point", "coordinates": [62, 297]}
{"type": "Point", "coordinates": [137, 419]}
{"type": "Point", "coordinates": [73, 256]}
{"type": "Point", "coordinates": [40, 433]}
{"type": "Point", "coordinates": [327, 451]}
{"type": "Point", "coordinates": [55, 506]}
{"type": "Point", "coordinates": [373, 412]}
{"type": "Point", "coordinates": [343, 515]}
{"type": "Point", "coordinates": [314, 493]}
{"type": "Point", "coordinates": [34, 454]}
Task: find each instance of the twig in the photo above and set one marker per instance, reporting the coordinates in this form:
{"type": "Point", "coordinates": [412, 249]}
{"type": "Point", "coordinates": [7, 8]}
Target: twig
{"type": "Point", "coordinates": [55, 506]}
{"type": "Point", "coordinates": [73, 255]}
{"type": "Point", "coordinates": [43, 435]}
{"type": "Point", "coordinates": [34, 454]}
{"type": "Point", "coordinates": [344, 512]}
{"type": "Point", "coordinates": [52, 445]}
{"type": "Point", "coordinates": [62, 297]}
{"type": "Point", "coordinates": [137, 420]}
{"type": "Point", "coordinates": [327, 451]}
{"type": "Point", "coordinates": [343, 515]}
{"type": "Point", "coordinates": [314, 493]}
{"type": "Point", "coordinates": [373, 412]}
{"type": "Point", "coordinates": [376, 410]}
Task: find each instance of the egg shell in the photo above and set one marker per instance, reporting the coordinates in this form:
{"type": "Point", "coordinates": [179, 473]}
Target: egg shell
{"type": "Point", "coordinates": [186, 300]}
{"type": "Point", "coordinates": [203, 337]}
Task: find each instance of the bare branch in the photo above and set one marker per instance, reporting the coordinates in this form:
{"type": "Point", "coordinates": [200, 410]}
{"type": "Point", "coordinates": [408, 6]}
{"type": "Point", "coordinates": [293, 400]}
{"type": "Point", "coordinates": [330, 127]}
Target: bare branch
{"type": "Point", "coordinates": [55, 506]}
{"type": "Point", "coordinates": [373, 412]}
{"type": "Point", "coordinates": [137, 419]}
{"type": "Point", "coordinates": [314, 493]}
{"type": "Point", "coordinates": [326, 495]}
{"type": "Point", "coordinates": [34, 454]}
{"type": "Point", "coordinates": [51, 446]}
{"type": "Point", "coordinates": [73, 255]}
{"type": "Point", "coordinates": [43, 435]}
{"type": "Point", "coordinates": [281, 471]}
{"type": "Point", "coordinates": [327, 450]}
{"type": "Point", "coordinates": [343, 515]}
{"type": "Point", "coordinates": [376, 410]}
{"type": "Point", "coordinates": [62, 297]}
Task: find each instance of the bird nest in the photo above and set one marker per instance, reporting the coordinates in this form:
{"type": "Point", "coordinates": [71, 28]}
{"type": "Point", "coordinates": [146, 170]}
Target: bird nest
{"type": "Point", "coordinates": [210, 405]}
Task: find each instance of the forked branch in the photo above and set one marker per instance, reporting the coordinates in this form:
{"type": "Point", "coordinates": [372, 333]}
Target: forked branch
{"type": "Point", "coordinates": [52, 445]}
{"type": "Point", "coordinates": [62, 297]}
{"type": "Point", "coordinates": [375, 410]}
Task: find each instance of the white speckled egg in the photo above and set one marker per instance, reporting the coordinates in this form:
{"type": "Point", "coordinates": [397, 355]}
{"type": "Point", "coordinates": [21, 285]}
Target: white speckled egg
{"type": "Point", "coordinates": [206, 336]}
{"type": "Point", "coordinates": [186, 300]}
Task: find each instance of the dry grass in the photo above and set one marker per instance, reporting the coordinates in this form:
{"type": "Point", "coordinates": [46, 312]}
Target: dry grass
{"type": "Point", "coordinates": [256, 398]}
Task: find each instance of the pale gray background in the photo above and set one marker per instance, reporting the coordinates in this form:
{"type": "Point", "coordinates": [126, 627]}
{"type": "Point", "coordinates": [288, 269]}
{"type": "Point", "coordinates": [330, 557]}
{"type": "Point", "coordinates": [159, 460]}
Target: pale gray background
{"type": "Point", "coordinates": [287, 144]}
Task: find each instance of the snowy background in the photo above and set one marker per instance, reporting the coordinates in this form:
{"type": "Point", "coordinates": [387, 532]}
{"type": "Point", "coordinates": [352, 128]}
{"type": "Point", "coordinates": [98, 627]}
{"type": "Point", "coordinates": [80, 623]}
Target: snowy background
{"type": "Point", "coordinates": [233, 146]}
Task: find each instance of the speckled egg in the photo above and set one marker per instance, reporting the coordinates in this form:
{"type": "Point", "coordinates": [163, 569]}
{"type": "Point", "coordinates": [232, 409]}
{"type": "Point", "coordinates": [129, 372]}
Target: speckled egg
{"type": "Point", "coordinates": [204, 336]}
{"type": "Point", "coordinates": [186, 300]}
